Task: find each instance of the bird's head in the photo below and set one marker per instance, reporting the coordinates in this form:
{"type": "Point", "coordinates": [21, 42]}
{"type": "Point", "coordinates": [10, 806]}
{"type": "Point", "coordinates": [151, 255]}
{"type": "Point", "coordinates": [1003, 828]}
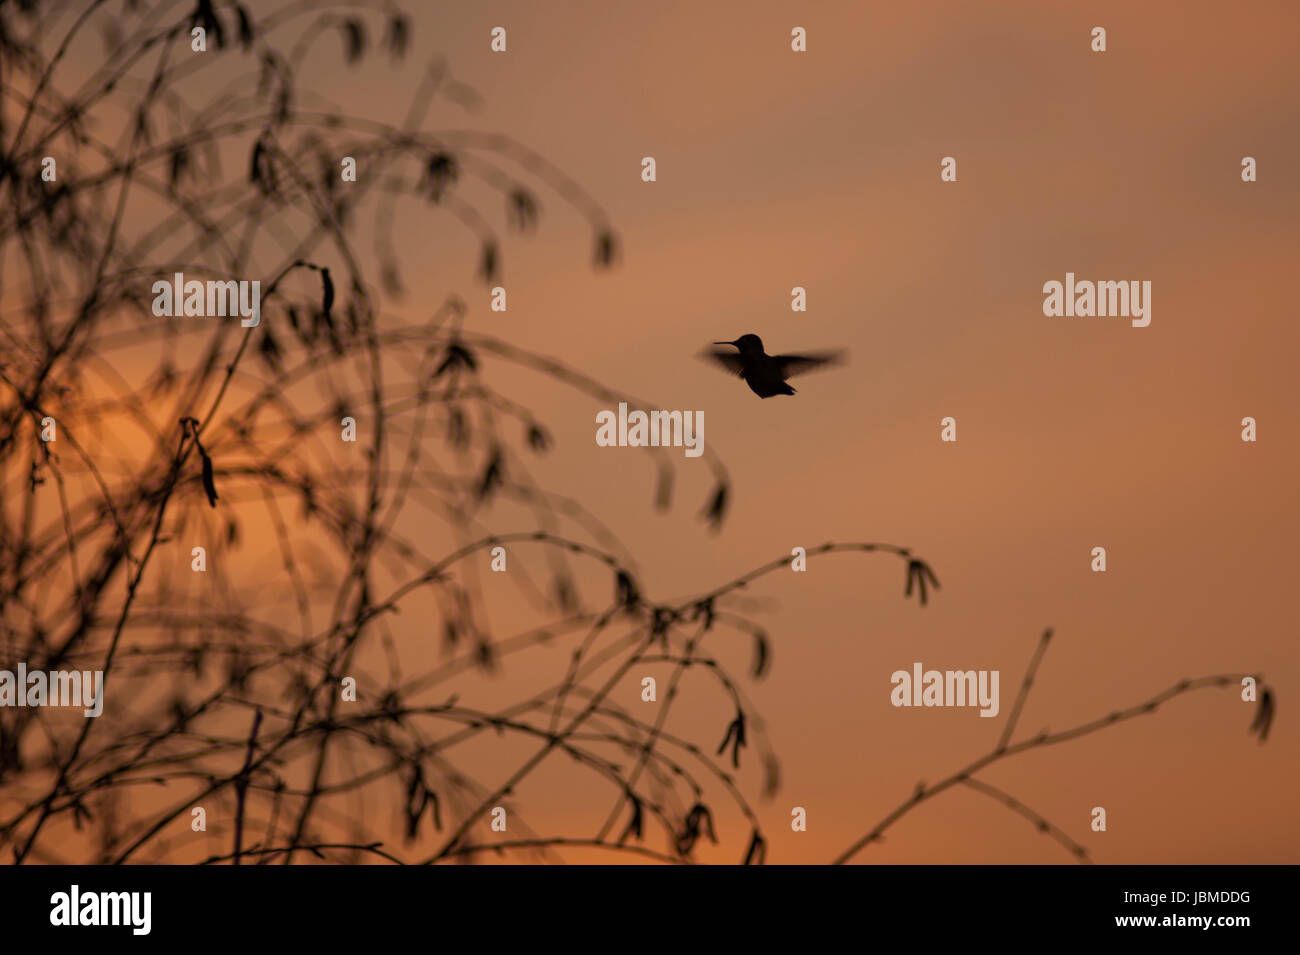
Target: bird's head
{"type": "Point", "coordinates": [747, 344]}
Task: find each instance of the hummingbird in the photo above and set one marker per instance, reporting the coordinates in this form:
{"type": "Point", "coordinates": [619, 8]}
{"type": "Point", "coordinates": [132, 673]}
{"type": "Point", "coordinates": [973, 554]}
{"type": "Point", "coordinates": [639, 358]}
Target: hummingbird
{"type": "Point", "coordinates": [766, 374]}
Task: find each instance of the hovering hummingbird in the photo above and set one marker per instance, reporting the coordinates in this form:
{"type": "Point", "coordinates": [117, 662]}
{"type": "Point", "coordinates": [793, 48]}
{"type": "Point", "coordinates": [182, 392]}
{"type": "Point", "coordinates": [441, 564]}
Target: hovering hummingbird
{"type": "Point", "coordinates": [766, 374]}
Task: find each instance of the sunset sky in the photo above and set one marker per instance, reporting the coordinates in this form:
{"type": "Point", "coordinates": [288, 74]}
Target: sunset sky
{"type": "Point", "coordinates": [778, 169]}
{"type": "Point", "coordinates": [821, 169]}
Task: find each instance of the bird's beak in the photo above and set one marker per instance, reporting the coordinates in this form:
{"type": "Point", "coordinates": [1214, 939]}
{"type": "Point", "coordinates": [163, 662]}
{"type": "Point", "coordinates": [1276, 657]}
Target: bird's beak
{"type": "Point", "coordinates": [724, 343]}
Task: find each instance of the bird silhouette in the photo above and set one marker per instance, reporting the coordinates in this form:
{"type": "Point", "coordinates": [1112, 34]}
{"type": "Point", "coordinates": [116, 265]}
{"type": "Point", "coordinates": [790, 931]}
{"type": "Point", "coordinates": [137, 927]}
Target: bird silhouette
{"type": "Point", "coordinates": [766, 374]}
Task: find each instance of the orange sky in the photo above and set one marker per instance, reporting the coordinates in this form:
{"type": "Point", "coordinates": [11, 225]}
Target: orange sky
{"type": "Point", "coordinates": [821, 169]}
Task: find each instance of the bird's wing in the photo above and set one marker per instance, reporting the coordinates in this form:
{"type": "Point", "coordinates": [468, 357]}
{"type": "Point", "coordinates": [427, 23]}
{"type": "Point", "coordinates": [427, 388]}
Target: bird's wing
{"type": "Point", "coordinates": [729, 360]}
{"type": "Point", "coordinates": [798, 364]}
